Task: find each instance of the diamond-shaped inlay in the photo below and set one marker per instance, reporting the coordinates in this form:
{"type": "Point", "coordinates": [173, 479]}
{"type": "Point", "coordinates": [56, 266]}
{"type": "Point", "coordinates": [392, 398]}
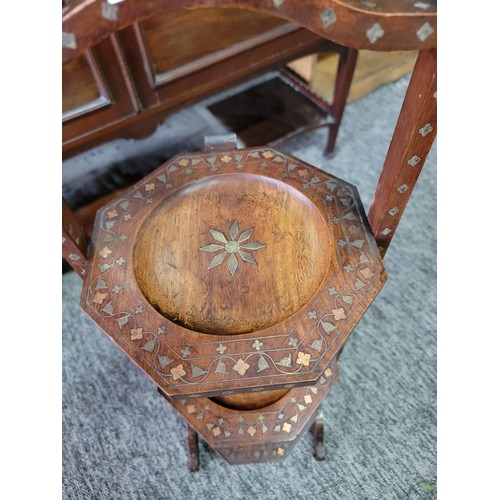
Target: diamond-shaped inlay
{"type": "Point", "coordinates": [109, 12]}
{"type": "Point", "coordinates": [424, 32]}
{"type": "Point", "coordinates": [328, 17]}
{"type": "Point", "coordinates": [375, 32]}
{"type": "Point", "coordinates": [68, 40]}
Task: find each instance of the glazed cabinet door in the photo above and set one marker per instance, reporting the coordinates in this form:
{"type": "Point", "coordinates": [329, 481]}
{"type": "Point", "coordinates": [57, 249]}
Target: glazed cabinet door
{"type": "Point", "coordinates": [97, 94]}
{"type": "Point", "coordinates": [180, 56]}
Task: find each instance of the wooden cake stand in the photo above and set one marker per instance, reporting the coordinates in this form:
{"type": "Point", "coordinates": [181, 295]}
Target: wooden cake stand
{"type": "Point", "coordinates": [233, 279]}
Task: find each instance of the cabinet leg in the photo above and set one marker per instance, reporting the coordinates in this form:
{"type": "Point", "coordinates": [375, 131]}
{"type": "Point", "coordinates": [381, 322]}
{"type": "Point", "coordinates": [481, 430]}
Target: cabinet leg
{"type": "Point", "coordinates": [317, 429]}
{"type": "Point", "coordinates": [347, 65]}
{"type": "Point", "coordinates": [194, 457]}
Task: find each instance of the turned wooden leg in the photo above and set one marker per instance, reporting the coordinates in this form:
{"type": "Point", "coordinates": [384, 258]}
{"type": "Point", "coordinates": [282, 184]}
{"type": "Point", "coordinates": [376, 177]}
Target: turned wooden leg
{"type": "Point", "coordinates": [317, 429]}
{"type": "Point", "coordinates": [194, 456]}
{"type": "Point", "coordinates": [347, 64]}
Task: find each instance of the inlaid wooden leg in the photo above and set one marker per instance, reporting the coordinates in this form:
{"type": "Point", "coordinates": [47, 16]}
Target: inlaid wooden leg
{"type": "Point", "coordinates": [413, 137]}
{"type": "Point", "coordinates": [194, 455]}
{"type": "Point", "coordinates": [347, 64]}
{"type": "Point", "coordinates": [317, 429]}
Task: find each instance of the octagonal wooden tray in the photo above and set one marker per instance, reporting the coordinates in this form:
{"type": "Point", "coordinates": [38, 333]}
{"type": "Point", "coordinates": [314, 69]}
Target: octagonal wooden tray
{"type": "Point", "coordinates": [227, 272]}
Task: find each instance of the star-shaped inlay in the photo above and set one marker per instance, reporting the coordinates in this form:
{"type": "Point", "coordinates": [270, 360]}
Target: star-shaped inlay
{"type": "Point", "coordinates": [232, 247]}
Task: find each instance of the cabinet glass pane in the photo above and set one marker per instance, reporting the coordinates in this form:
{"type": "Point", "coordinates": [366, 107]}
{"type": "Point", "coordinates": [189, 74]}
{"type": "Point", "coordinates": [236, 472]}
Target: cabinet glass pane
{"type": "Point", "coordinates": [79, 85]}
{"type": "Point", "coordinates": [178, 38]}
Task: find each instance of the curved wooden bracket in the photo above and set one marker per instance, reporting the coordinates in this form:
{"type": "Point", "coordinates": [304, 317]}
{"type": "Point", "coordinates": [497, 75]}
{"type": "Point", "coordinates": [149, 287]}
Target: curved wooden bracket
{"type": "Point", "coordinates": [386, 25]}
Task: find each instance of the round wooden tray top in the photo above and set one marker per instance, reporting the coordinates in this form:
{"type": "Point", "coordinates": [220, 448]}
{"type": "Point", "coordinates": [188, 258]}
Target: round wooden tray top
{"type": "Point", "coordinates": [233, 253]}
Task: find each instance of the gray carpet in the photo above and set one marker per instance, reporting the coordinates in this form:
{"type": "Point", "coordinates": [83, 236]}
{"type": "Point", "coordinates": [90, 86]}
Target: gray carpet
{"type": "Point", "coordinates": [121, 440]}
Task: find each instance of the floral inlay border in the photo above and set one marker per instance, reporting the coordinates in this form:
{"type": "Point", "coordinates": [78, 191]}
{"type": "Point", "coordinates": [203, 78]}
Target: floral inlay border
{"type": "Point", "coordinates": [190, 363]}
{"type": "Point", "coordinates": [266, 434]}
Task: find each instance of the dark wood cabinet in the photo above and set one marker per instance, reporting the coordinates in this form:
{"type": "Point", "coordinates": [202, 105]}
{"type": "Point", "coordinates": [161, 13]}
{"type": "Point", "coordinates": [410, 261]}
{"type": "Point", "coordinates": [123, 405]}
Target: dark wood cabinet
{"type": "Point", "coordinates": [126, 85]}
{"type": "Point", "coordinates": [97, 94]}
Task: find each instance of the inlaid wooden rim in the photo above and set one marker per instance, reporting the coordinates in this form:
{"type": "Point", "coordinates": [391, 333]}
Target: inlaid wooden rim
{"type": "Point", "coordinates": [372, 25]}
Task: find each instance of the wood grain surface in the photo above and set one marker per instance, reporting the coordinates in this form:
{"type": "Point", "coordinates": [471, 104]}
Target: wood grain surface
{"type": "Point", "coordinates": [183, 36]}
{"type": "Point", "coordinates": [273, 281]}
{"type": "Point", "coordinates": [250, 400]}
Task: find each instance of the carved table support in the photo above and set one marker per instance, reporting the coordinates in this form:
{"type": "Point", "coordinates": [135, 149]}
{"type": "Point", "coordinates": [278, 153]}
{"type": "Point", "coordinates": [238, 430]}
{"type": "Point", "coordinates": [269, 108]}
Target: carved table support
{"type": "Point", "coordinates": [317, 429]}
{"type": "Point", "coordinates": [347, 64]}
{"type": "Point", "coordinates": [413, 137]}
{"type": "Point", "coordinates": [343, 80]}
{"type": "Point", "coordinates": [74, 241]}
{"type": "Point", "coordinates": [194, 455]}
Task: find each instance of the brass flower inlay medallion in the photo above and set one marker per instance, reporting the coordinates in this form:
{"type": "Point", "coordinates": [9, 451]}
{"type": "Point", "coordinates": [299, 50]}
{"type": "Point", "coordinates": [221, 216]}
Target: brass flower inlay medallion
{"type": "Point", "coordinates": [232, 247]}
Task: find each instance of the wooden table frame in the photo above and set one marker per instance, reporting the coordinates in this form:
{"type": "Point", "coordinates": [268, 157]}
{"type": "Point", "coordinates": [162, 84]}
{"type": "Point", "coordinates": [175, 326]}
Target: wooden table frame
{"type": "Point", "coordinates": [354, 24]}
